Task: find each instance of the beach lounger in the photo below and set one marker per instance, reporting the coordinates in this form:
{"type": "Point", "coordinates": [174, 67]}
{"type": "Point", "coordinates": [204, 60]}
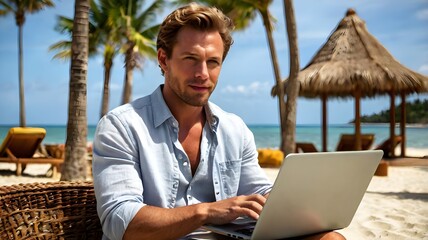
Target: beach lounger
{"type": "Point", "coordinates": [347, 142]}
{"type": "Point", "coordinates": [21, 144]}
{"type": "Point", "coordinates": [386, 146]}
{"type": "Point", "coordinates": [303, 147]}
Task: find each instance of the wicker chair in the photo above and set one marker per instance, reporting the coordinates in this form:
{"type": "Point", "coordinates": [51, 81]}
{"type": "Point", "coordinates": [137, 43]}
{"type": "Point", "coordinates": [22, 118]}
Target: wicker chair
{"type": "Point", "coordinates": [55, 210]}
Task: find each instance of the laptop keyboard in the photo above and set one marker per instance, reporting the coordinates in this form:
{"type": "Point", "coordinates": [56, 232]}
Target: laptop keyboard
{"type": "Point", "coordinates": [246, 231]}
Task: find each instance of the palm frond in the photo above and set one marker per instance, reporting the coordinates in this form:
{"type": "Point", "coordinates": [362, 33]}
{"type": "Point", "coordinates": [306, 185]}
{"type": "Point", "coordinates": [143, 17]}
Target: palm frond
{"type": "Point", "coordinates": [64, 25]}
{"type": "Point", "coordinates": [63, 49]}
{"type": "Point", "coordinates": [150, 14]}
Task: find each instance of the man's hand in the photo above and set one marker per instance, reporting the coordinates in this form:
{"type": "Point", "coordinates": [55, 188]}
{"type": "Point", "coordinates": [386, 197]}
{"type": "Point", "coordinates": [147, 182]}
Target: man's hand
{"type": "Point", "coordinates": [163, 223]}
{"type": "Point", "coordinates": [227, 210]}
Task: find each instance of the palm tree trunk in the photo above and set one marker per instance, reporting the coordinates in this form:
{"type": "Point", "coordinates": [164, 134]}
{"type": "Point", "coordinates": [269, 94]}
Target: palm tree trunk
{"type": "Point", "coordinates": [129, 67]}
{"type": "Point", "coordinates": [293, 84]}
{"type": "Point", "coordinates": [75, 164]}
{"type": "Point", "coordinates": [281, 102]}
{"type": "Point", "coordinates": [106, 90]}
{"type": "Point", "coordinates": [22, 121]}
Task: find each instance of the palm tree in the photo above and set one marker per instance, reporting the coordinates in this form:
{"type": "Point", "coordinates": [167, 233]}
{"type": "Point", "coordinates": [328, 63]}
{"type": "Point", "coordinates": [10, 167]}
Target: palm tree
{"type": "Point", "coordinates": [110, 42]}
{"type": "Point", "coordinates": [114, 30]}
{"type": "Point", "coordinates": [138, 34]}
{"type": "Point", "coordinates": [19, 8]}
{"type": "Point", "coordinates": [293, 84]}
{"type": "Point", "coordinates": [75, 164]}
{"type": "Point", "coordinates": [242, 12]}
{"type": "Point", "coordinates": [263, 8]}
{"type": "Point", "coordinates": [100, 34]}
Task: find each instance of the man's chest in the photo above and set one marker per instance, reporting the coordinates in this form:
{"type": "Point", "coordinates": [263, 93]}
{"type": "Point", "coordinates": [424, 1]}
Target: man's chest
{"type": "Point", "coordinates": [192, 146]}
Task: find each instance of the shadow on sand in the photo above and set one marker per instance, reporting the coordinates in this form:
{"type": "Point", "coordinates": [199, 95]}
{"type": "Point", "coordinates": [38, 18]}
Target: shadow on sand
{"type": "Point", "coordinates": [404, 195]}
{"type": "Point", "coordinates": [8, 172]}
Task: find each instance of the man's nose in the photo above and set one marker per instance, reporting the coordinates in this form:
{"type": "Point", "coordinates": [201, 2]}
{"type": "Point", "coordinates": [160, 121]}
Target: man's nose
{"type": "Point", "coordinates": [201, 70]}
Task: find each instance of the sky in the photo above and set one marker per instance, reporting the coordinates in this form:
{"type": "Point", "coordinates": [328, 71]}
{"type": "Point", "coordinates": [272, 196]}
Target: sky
{"type": "Point", "coordinates": [246, 78]}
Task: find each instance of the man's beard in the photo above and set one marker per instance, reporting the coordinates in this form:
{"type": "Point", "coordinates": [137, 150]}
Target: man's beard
{"type": "Point", "coordinates": [191, 98]}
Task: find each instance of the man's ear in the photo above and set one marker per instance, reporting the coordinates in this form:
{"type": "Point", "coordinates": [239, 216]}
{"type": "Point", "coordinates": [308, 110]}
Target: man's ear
{"type": "Point", "coordinates": [162, 59]}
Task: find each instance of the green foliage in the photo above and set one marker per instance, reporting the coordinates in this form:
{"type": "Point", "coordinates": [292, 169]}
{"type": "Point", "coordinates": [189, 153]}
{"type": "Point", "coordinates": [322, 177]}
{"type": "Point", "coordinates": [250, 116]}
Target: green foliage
{"type": "Point", "coordinates": [416, 112]}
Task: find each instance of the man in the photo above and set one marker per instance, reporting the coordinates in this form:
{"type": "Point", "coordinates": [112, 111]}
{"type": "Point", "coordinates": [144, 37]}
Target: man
{"type": "Point", "coordinates": [168, 163]}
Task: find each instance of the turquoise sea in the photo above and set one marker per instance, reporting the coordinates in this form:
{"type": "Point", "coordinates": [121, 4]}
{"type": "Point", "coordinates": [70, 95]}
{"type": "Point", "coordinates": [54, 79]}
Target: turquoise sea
{"type": "Point", "coordinates": [267, 136]}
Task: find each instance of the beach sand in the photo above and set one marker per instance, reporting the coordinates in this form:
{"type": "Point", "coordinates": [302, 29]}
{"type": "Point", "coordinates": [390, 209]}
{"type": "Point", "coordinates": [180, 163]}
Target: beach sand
{"type": "Point", "coordinates": [393, 207]}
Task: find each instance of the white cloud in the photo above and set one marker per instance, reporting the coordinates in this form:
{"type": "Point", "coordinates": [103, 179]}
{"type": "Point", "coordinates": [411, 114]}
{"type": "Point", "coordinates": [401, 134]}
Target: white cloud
{"type": "Point", "coordinates": [424, 69]}
{"type": "Point", "coordinates": [252, 89]}
{"type": "Point", "coordinates": [422, 14]}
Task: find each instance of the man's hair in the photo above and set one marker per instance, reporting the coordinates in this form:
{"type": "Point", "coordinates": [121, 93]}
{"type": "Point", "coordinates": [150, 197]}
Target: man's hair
{"type": "Point", "coordinates": [198, 17]}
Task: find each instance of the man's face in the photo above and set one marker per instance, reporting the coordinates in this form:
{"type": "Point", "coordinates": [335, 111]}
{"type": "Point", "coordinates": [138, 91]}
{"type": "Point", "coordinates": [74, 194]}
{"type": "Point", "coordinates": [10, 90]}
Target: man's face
{"type": "Point", "coordinates": [192, 71]}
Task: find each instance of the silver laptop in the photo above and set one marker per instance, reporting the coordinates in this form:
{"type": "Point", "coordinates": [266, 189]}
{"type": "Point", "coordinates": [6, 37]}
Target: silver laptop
{"type": "Point", "coordinates": [313, 192]}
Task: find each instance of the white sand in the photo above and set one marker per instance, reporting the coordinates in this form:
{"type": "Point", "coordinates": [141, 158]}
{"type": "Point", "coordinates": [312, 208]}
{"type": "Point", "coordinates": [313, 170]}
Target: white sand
{"type": "Point", "coordinates": [394, 207]}
{"type": "Point", "coordinates": [413, 152]}
{"type": "Point", "coordinates": [32, 173]}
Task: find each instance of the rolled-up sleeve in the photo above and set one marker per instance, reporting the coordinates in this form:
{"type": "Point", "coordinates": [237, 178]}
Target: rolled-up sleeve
{"type": "Point", "coordinates": [117, 176]}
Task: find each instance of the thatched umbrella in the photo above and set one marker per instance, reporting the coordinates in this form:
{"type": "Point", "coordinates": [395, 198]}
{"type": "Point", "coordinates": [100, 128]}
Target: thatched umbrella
{"type": "Point", "coordinates": [352, 63]}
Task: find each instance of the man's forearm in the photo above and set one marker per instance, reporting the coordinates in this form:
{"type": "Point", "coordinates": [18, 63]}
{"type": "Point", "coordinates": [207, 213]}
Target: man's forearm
{"type": "Point", "coordinates": [162, 223]}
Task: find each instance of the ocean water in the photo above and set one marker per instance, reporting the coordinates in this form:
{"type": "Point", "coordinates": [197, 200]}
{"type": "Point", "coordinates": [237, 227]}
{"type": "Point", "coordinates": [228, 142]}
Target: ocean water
{"type": "Point", "coordinates": [268, 136]}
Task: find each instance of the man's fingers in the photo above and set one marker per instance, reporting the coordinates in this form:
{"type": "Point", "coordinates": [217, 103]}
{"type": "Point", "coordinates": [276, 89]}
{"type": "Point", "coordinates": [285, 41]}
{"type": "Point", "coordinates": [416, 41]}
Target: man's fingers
{"type": "Point", "coordinates": [251, 205]}
{"type": "Point", "coordinates": [229, 209]}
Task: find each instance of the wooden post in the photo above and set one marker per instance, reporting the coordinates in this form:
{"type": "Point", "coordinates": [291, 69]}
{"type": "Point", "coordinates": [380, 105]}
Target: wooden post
{"type": "Point", "coordinates": [357, 121]}
{"type": "Point", "coordinates": [403, 124]}
{"type": "Point", "coordinates": [324, 122]}
{"type": "Point", "coordinates": [392, 124]}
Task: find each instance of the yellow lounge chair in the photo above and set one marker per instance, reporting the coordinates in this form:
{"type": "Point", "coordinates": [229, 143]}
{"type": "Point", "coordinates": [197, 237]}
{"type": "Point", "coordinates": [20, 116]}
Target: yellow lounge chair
{"type": "Point", "coordinates": [347, 142]}
{"type": "Point", "coordinates": [20, 145]}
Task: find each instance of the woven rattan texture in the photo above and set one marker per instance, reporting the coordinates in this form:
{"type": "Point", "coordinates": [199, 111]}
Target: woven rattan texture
{"type": "Point", "coordinates": [56, 210]}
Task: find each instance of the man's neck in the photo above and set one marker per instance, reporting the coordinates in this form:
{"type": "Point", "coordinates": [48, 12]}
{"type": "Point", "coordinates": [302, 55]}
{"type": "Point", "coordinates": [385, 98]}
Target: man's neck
{"type": "Point", "coordinates": [189, 116]}
{"type": "Point", "coordinates": [185, 114]}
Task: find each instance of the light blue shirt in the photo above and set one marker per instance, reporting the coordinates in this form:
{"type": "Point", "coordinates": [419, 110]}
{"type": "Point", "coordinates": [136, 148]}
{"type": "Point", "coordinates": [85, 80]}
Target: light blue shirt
{"type": "Point", "coordinates": [138, 160]}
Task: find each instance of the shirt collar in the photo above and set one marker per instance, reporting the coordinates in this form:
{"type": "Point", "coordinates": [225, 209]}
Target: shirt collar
{"type": "Point", "coordinates": [212, 118]}
{"type": "Point", "coordinates": [161, 112]}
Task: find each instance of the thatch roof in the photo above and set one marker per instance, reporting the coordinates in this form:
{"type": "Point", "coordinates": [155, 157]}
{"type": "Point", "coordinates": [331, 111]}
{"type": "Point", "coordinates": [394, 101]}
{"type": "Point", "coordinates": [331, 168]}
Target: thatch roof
{"type": "Point", "coordinates": [353, 59]}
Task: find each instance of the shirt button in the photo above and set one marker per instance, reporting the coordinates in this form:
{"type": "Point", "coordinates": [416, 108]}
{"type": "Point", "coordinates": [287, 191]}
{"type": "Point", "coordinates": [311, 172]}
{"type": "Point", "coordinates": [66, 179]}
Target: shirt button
{"type": "Point", "coordinates": [180, 156]}
{"type": "Point", "coordinates": [217, 193]}
{"type": "Point", "coordinates": [184, 163]}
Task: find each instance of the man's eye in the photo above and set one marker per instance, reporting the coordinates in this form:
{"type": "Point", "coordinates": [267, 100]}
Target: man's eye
{"type": "Point", "coordinates": [190, 58]}
{"type": "Point", "coordinates": [213, 63]}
